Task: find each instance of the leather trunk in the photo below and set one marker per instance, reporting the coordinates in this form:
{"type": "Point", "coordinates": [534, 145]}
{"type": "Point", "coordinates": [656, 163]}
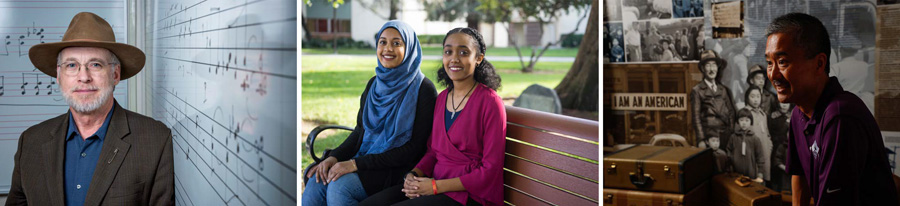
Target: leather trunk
{"type": "Point", "coordinates": [726, 192]}
{"type": "Point", "coordinates": [658, 169]}
{"type": "Point", "coordinates": [622, 197]}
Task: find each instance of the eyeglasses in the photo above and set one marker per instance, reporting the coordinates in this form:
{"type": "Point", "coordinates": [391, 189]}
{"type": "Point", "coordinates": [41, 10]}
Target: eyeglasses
{"type": "Point", "coordinates": [71, 68]}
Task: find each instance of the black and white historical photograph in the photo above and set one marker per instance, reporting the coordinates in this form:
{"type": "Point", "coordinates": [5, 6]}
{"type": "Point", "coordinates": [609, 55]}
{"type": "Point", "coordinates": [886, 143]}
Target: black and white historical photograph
{"type": "Point", "coordinates": [664, 40]}
{"type": "Point", "coordinates": [687, 8]}
{"type": "Point", "coordinates": [712, 107]}
{"type": "Point", "coordinates": [614, 46]}
{"type": "Point", "coordinates": [646, 9]}
{"type": "Point", "coordinates": [728, 19]}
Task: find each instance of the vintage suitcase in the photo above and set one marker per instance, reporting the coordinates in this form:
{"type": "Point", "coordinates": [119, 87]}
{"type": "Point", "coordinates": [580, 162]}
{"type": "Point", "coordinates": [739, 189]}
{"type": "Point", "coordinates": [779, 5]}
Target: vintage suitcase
{"type": "Point", "coordinates": [727, 191]}
{"type": "Point", "coordinates": [658, 169]}
{"type": "Point", "coordinates": [622, 197]}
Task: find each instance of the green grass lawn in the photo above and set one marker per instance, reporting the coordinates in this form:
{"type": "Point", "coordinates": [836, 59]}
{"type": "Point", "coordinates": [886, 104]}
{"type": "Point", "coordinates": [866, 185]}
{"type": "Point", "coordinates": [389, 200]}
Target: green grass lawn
{"type": "Point", "coordinates": [436, 51]}
{"type": "Point", "coordinates": [331, 87]}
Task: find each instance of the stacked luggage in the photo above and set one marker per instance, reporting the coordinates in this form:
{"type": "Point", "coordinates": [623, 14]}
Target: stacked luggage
{"type": "Point", "coordinates": [651, 175]}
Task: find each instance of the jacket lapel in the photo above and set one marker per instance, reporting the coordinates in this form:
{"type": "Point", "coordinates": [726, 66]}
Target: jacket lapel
{"type": "Point", "coordinates": [111, 157]}
{"type": "Point", "coordinates": [54, 154]}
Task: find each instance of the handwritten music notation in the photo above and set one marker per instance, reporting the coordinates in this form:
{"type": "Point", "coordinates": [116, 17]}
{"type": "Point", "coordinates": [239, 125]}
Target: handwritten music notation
{"type": "Point", "coordinates": [225, 80]}
{"type": "Point", "coordinates": [38, 37]}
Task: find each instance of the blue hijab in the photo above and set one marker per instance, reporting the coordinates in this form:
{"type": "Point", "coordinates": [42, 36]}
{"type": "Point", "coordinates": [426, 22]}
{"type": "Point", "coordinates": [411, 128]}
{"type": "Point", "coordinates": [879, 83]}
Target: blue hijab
{"type": "Point", "coordinates": [391, 101]}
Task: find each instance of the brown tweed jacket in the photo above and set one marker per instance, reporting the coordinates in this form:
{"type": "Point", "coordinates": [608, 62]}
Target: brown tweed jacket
{"type": "Point", "coordinates": [135, 165]}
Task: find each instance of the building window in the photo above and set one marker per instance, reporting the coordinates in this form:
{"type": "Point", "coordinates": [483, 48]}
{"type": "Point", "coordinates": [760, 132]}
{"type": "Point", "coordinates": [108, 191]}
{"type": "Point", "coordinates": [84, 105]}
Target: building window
{"type": "Point", "coordinates": [323, 26]}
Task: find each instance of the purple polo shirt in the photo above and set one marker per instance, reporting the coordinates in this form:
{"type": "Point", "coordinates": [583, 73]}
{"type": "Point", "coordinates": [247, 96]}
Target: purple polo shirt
{"type": "Point", "coordinates": [840, 151]}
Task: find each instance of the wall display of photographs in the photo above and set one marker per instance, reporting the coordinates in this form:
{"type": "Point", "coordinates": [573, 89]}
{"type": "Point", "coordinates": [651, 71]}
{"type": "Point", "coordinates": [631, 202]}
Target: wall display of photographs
{"type": "Point", "coordinates": [664, 40]}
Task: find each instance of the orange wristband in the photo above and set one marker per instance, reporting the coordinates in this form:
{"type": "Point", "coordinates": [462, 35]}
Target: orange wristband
{"type": "Point", "coordinates": [434, 186]}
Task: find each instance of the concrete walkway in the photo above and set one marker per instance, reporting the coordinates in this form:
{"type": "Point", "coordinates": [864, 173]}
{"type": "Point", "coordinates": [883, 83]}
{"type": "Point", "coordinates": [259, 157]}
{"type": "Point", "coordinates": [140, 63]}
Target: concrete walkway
{"type": "Point", "coordinates": [490, 58]}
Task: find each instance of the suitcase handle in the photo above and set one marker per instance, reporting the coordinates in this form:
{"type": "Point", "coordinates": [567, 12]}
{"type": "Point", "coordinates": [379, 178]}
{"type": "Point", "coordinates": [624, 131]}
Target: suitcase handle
{"type": "Point", "coordinates": [641, 181]}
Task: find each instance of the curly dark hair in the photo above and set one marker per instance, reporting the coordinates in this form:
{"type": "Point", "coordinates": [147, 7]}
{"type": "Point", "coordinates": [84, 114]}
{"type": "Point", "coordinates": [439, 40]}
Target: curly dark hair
{"type": "Point", "coordinates": [484, 72]}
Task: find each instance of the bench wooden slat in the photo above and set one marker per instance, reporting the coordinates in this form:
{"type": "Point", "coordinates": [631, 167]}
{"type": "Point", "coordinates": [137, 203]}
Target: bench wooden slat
{"type": "Point", "coordinates": [576, 127]}
{"type": "Point", "coordinates": [553, 177]}
{"type": "Point", "coordinates": [562, 144]}
{"type": "Point", "coordinates": [518, 198]}
{"type": "Point", "coordinates": [558, 161]}
{"type": "Point", "coordinates": [552, 195]}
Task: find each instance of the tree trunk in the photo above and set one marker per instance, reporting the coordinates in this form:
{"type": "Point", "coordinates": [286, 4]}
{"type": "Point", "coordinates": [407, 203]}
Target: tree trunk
{"type": "Point", "coordinates": [472, 16]}
{"type": "Point", "coordinates": [472, 20]}
{"type": "Point", "coordinates": [395, 7]}
{"type": "Point", "coordinates": [305, 29]}
{"type": "Point", "coordinates": [579, 90]}
{"type": "Point", "coordinates": [334, 29]}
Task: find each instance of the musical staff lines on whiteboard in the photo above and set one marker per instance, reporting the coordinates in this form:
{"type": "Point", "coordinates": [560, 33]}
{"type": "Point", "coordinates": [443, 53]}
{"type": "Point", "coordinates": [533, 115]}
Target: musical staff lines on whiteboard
{"type": "Point", "coordinates": [225, 80]}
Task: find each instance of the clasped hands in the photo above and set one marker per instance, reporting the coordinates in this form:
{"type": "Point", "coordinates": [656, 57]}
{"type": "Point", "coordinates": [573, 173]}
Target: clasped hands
{"type": "Point", "coordinates": [330, 170]}
{"type": "Point", "coordinates": [415, 187]}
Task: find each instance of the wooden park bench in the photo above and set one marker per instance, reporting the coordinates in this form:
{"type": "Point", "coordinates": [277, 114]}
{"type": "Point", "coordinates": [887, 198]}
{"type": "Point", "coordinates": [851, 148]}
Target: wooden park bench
{"type": "Point", "coordinates": [550, 159]}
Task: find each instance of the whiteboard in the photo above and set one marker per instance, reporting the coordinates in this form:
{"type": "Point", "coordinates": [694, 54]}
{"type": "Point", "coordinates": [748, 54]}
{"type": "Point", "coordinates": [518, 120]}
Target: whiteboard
{"type": "Point", "coordinates": [225, 82]}
{"type": "Point", "coordinates": [28, 96]}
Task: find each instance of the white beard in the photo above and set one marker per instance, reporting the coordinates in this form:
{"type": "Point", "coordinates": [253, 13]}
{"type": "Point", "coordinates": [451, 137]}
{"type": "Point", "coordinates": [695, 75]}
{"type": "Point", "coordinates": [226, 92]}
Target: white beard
{"type": "Point", "coordinates": [89, 106]}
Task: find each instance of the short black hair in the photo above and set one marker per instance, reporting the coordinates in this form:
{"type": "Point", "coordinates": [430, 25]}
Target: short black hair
{"type": "Point", "coordinates": [484, 72]}
{"type": "Point", "coordinates": [745, 112]}
{"type": "Point", "coordinates": [747, 95]}
{"type": "Point", "coordinates": [809, 34]}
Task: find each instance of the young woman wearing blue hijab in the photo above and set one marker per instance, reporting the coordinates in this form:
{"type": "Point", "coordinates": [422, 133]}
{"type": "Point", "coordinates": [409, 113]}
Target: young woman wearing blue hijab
{"type": "Point", "coordinates": [386, 142]}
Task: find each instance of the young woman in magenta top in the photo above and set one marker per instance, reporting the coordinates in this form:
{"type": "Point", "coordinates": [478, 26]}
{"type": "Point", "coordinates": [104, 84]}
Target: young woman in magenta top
{"type": "Point", "coordinates": [463, 164]}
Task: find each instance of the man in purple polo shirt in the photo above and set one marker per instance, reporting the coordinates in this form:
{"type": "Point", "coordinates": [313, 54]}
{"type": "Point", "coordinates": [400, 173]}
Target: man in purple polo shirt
{"type": "Point", "coordinates": [836, 153]}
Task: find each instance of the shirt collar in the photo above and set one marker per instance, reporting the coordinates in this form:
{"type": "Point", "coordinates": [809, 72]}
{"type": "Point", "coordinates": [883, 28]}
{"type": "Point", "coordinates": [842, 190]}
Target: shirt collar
{"type": "Point", "coordinates": [831, 88]}
{"type": "Point", "coordinates": [710, 84]}
{"type": "Point", "coordinates": [101, 133]}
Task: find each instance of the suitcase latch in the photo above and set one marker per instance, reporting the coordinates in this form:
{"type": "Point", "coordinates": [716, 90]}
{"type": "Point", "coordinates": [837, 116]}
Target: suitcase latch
{"type": "Point", "coordinates": [609, 199]}
{"type": "Point", "coordinates": [639, 178]}
{"type": "Point", "coordinates": [612, 169]}
{"type": "Point", "coordinates": [669, 172]}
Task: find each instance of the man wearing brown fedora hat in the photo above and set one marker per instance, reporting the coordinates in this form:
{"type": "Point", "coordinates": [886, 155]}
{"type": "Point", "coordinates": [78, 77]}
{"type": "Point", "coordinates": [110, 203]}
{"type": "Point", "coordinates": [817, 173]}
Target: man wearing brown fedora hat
{"type": "Point", "coordinates": [98, 152]}
{"type": "Point", "coordinates": [712, 108]}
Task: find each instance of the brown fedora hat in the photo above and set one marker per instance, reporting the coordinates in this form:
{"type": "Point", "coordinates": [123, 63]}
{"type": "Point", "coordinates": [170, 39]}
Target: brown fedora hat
{"type": "Point", "coordinates": [88, 30]}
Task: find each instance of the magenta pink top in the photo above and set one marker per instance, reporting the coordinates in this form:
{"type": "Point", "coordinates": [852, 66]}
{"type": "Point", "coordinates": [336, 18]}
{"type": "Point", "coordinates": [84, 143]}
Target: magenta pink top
{"type": "Point", "coordinates": [472, 150]}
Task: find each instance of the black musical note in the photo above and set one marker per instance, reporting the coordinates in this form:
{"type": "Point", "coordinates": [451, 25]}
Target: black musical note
{"type": "Point", "coordinates": [228, 63]}
{"type": "Point", "coordinates": [2, 85]}
{"type": "Point", "coordinates": [259, 148]}
{"type": "Point", "coordinates": [38, 85]}
{"type": "Point", "coordinates": [263, 84]}
{"type": "Point", "coordinates": [7, 46]}
{"type": "Point", "coordinates": [22, 42]}
{"type": "Point", "coordinates": [204, 92]}
{"type": "Point", "coordinates": [24, 83]}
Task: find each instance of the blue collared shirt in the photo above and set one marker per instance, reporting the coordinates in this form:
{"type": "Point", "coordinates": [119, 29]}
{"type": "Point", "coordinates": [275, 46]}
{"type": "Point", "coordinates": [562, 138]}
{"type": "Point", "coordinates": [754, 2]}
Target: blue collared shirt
{"type": "Point", "coordinates": [81, 159]}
